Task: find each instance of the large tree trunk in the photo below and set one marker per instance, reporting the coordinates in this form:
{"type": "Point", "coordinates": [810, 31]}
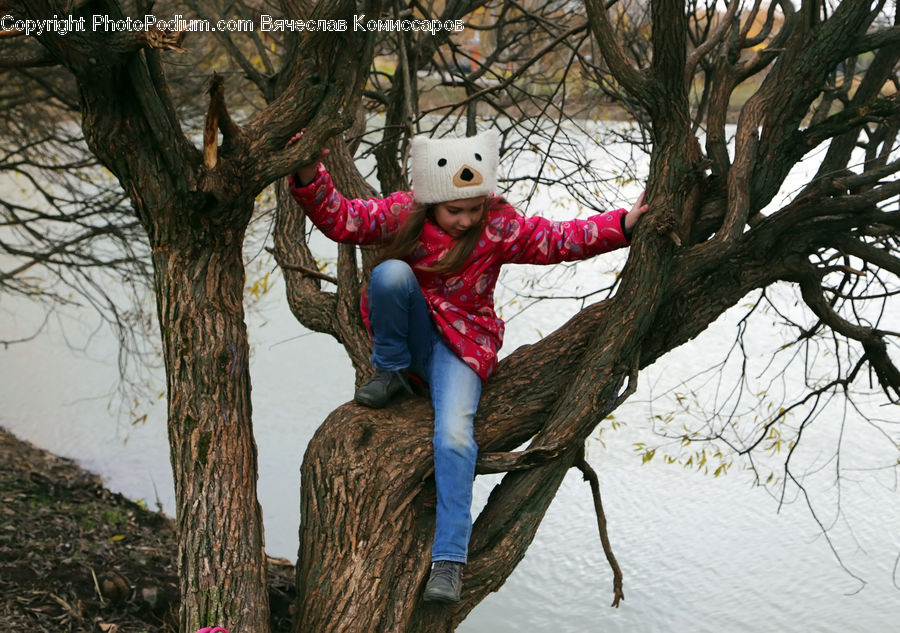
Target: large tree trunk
{"type": "Point", "coordinates": [221, 554]}
{"type": "Point", "coordinates": [196, 237]}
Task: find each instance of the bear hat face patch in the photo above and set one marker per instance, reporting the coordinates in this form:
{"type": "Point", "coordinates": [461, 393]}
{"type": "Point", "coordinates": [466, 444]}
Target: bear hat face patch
{"type": "Point", "coordinates": [454, 168]}
{"type": "Point", "coordinates": [468, 176]}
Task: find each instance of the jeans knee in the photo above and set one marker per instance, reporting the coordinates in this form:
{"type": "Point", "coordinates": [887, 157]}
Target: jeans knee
{"type": "Point", "coordinates": [391, 275]}
{"type": "Point", "coordinates": [458, 441]}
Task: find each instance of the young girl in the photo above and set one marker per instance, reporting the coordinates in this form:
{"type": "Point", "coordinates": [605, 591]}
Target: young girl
{"type": "Point", "coordinates": [429, 304]}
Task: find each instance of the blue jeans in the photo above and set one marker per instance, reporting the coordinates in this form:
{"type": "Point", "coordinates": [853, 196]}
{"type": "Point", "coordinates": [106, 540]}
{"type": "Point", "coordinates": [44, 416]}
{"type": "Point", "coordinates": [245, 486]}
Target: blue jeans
{"type": "Point", "coordinates": [404, 336]}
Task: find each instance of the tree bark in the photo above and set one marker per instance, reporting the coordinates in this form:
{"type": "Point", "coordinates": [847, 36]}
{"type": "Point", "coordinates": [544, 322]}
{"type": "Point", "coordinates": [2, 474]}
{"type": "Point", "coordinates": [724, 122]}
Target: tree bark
{"type": "Point", "coordinates": [221, 553]}
{"type": "Point", "coordinates": [195, 238]}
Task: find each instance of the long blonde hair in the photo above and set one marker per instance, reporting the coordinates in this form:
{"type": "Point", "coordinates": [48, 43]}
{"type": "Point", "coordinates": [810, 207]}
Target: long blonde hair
{"type": "Point", "coordinates": [408, 236]}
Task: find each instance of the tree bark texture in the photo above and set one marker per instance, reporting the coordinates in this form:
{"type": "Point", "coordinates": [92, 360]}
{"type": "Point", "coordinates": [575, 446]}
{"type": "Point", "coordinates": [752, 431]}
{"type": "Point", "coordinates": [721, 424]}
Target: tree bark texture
{"type": "Point", "coordinates": [221, 551]}
{"type": "Point", "coordinates": [196, 245]}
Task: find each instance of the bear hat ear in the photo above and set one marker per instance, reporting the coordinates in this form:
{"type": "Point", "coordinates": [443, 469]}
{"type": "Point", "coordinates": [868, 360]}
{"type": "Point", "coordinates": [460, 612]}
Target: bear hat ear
{"type": "Point", "coordinates": [454, 168]}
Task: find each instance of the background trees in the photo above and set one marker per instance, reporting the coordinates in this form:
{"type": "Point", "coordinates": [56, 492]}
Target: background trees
{"type": "Point", "coordinates": [791, 79]}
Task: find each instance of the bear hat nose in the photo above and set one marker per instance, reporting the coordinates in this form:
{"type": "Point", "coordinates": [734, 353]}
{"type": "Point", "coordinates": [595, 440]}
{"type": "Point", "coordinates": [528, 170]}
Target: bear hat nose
{"type": "Point", "coordinates": [467, 177]}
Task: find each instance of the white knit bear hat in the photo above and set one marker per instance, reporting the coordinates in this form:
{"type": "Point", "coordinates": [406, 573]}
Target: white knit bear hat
{"type": "Point", "coordinates": [454, 168]}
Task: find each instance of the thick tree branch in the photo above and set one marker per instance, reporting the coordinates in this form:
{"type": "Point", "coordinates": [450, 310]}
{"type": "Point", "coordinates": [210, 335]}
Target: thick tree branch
{"type": "Point", "coordinates": [871, 339]}
{"type": "Point", "coordinates": [793, 85]}
{"type": "Point", "coordinates": [669, 38]}
{"type": "Point", "coordinates": [312, 307]}
{"type": "Point", "coordinates": [872, 110]}
{"type": "Point", "coordinates": [880, 71]}
{"type": "Point", "coordinates": [853, 182]}
{"type": "Point", "coordinates": [634, 81]}
{"type": "Point", "coordinates": [778, 108]}
{"type": "Point", "coordinates": [878, 39]}
{"type": "Point", "coordinates": [321, 91]}
{"type": "Point", "coordinates": [350, 328]}
{"type": "Point", "coordinates": [880, 257]}
{"type": "Point", "coordinates": [492, 463]}
{"type": "Point", "coordinates": [750, 20]}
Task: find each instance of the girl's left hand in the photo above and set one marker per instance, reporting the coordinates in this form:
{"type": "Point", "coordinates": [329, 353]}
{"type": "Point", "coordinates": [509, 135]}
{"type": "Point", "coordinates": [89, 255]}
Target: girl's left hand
{"type": "Point", "coordinates": [639, 208]}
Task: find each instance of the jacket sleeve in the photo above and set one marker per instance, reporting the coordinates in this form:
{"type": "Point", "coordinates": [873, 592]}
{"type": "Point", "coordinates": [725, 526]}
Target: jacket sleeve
{"type": "Point", "coordinates": [536, 240]}
{"type": "Point", "coordinates": [349, 221]}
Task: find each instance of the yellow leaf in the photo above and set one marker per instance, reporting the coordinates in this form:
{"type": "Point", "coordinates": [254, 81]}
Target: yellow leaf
{"type": "Point", "coordinates": [117, 537]}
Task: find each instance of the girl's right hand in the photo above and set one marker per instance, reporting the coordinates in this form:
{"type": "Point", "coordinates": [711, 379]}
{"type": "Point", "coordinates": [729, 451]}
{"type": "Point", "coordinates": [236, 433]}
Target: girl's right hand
{"type": "Point", "coordinates": [307, 173]}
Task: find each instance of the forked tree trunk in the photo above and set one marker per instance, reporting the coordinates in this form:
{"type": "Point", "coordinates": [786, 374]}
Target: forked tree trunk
{"type": "Point", "coordinates": [195, 239]}
{"type": "Point", "coordinates": [367, 508]}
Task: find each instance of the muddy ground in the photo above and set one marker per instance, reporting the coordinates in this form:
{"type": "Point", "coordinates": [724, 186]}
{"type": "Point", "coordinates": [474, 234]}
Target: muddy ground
{"type": "Point", "coordinates": [75, 557]}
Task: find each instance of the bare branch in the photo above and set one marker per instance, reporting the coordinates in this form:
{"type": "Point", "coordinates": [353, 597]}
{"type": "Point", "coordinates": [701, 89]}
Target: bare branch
{"type": "Point", "coordinates": [881, 257]}
{"type": "Point", "coordinates": [309, 272]}
{"type": "Point", "coordinates": [872, 340]}
{"type": "Point", "coordinates": [711, 42]}
{"type": "Point", "coordinates": [511, 79]}
{"type": "Point", "coordinates": [590, 476]}
{"type": "Point", "coordinates": [634, 81]}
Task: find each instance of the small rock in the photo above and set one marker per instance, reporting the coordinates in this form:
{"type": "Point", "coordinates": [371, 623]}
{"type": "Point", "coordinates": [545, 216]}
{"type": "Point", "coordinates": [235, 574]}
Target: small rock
{"type": "Point", "coordinates": [114, 587]}
{"type": "Point", "coordinates": [150, 595]}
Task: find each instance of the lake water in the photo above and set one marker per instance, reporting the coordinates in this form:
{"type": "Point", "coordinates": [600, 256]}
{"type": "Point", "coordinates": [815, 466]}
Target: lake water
{"type": "Point", "coordinates": [698, 553]}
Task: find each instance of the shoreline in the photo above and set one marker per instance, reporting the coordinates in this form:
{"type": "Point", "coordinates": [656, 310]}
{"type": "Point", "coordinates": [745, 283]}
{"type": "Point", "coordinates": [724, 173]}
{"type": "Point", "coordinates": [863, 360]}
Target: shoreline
{"type": "Point", "coordinates": [76, 556]}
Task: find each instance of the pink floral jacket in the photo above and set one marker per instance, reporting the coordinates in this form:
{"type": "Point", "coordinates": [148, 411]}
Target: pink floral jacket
{"type": "Point", "coordinates": [461, 302]}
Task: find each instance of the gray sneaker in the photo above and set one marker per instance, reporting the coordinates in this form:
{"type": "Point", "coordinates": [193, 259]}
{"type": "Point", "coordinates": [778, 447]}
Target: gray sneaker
{"type": "Point", "coordinates": [378, 390]}
{"type": "Point", "coordinates": [445, 582]}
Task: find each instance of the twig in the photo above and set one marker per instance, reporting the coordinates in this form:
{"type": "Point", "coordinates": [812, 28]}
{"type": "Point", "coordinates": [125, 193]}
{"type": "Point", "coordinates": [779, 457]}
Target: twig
{"type": "Point", "coordinates": [590, 476]}
{"type": "Point", "coordinates": [309, 272]}
{"type": "Point", "coordinates": [97, 587]}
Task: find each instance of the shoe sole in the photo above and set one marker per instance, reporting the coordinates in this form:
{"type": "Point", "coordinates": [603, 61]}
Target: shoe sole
{"type": "Point", "coordinates": [440, 597]}
{"type": "Point", "coordinates": [372, 404]}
